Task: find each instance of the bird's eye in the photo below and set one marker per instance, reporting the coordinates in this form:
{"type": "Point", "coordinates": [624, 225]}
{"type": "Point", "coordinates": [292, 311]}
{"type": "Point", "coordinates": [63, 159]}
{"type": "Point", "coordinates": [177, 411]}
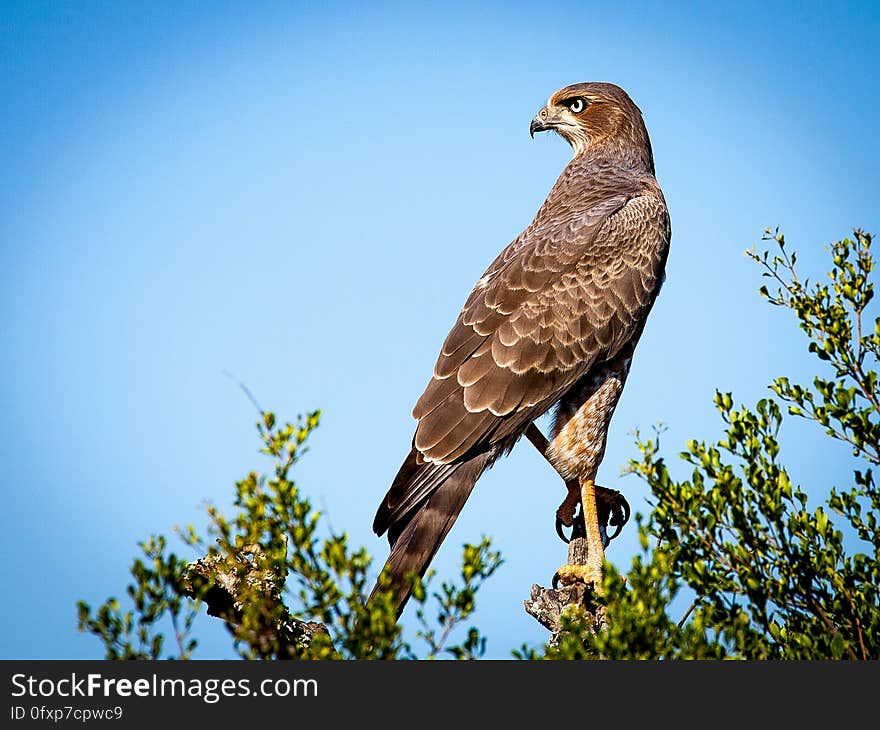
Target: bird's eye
{"type": "Point", "coordinates": [576, 106]}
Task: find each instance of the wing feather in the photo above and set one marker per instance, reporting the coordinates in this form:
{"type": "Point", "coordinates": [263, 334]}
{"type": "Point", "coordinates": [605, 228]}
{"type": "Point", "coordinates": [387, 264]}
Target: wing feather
{"type": "Point", "coordinates": [567, 293]}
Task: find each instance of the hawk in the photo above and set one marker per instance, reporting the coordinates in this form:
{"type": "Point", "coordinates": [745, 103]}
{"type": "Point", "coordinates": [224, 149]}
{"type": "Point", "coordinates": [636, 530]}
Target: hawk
{"type": "Point", "coordinates": [553, 322]}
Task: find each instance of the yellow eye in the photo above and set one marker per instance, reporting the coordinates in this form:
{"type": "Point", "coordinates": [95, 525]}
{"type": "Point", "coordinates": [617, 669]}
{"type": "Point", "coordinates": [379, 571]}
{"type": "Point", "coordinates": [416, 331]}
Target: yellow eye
{"type": "Point", "coordinates": [576, 106]}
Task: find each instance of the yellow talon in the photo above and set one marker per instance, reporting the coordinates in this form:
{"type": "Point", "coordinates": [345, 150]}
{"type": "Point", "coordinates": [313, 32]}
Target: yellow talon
{"type": "Point", "coordinates": [569, 574]}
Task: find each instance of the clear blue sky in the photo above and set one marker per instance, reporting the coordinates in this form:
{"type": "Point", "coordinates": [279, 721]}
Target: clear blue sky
{"type": "Point", "coordinates": [305, 196]}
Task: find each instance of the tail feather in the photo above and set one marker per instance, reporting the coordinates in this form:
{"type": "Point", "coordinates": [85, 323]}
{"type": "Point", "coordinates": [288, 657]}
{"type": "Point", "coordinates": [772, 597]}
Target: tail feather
{"type": "Point", "coordinates": [416, 480]}
{"type": "Point", "coordinates": [417, 534]}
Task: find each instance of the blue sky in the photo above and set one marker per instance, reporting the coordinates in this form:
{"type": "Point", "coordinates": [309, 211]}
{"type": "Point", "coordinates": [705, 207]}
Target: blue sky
{"type": "Point", "coordinates": [304, 197]}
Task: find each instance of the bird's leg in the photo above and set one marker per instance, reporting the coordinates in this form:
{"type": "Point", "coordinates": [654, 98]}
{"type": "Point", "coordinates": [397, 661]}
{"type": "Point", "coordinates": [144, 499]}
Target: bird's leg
{"type": "Point", "coordinates": [580, 431]}
{"type": "Point", "coordinates": [566, 512]}
{"type": "Point", "coordinates": [587, 569]}
{"type": "Point", "coordinates": [612, 507]}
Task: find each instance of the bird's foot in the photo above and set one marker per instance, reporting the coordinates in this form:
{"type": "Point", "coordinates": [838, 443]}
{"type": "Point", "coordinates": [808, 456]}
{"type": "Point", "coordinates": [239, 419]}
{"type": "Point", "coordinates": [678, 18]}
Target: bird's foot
{"type": "Point", "coordinates": [566, 516]}
{"type": "Point", "coordinates": [612, 507]}
{"type": "Point", "coordinates": [589, 574]}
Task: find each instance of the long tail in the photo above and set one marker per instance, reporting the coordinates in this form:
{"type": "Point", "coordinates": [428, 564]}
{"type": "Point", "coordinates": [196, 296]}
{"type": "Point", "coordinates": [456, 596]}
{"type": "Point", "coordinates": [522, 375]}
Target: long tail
{"type": "Point", "coordinates": [418, 512]}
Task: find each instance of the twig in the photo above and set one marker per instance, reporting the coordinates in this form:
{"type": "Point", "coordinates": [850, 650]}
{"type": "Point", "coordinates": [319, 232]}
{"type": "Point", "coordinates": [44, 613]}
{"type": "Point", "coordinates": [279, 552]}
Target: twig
{"type": "Point", "coordinates": [688, 613]}
{"type": "Point", "coordinates": [246, 390]}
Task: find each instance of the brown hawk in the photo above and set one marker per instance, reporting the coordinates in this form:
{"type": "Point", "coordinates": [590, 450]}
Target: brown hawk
{"type": "Point", "coordinates": [553, 322]}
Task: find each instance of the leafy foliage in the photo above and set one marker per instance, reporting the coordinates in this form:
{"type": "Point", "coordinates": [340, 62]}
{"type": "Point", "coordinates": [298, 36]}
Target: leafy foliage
{"type": "Point", "coordinates": [156, 593]}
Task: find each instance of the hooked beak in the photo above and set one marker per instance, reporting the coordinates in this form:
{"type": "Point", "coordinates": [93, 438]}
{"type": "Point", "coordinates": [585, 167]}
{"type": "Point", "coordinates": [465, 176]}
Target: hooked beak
{"type": "Point", "coordinates": [541, 123]}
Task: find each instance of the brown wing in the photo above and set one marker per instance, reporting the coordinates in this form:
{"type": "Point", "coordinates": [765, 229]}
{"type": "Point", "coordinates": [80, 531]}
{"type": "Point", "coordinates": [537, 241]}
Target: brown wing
{"type": "Point", "coordinates": [566, 294]}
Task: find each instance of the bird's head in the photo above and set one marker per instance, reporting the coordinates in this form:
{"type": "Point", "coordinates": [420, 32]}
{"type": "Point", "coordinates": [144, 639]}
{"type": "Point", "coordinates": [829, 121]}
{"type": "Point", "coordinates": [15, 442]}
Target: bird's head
{"type": "Point", "coordinates": [593, 115]}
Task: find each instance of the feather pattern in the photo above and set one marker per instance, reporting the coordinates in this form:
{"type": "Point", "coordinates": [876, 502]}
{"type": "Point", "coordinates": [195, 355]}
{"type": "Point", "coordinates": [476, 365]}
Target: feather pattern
{"type": "Point", "coordinates": [530, 343]}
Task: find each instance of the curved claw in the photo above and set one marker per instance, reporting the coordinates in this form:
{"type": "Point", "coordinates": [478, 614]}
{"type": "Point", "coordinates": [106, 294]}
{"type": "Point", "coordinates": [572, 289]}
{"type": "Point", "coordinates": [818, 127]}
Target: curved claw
{"type": "Point", "coordinates": [617, 529]}
{"type": "Point", "coordinates": [614, 508]}
{"type": "Point", "coordinates": [619, 516]}
{"type": "Point", "coordinates": [617, 520]}
{"type": "Point", "coordinates": [555, 582]}
{"type": "Point", "coordinates": [559, 526]}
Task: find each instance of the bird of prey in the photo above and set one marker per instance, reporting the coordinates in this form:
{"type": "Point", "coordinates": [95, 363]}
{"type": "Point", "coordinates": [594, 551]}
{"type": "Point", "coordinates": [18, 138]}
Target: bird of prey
{"type": "Point", "coordinates": [553, 322]}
